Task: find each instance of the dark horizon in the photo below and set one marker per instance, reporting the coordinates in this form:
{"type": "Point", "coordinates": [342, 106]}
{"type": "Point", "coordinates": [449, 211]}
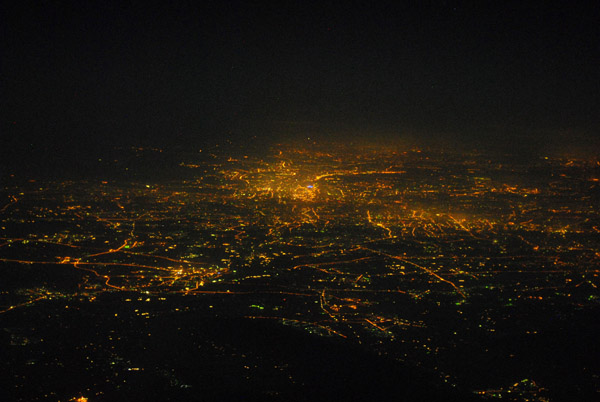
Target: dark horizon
{"type": "Point", "coordinates": [83, 77]}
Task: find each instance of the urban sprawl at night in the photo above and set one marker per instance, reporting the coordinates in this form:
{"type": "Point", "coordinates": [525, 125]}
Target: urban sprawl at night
{"type": "Point", "coordinates": [472, 273]}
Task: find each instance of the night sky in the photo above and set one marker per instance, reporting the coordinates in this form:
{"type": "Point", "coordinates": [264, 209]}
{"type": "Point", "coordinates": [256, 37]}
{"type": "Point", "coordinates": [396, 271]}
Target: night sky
{"type": "Point", "coordinates": [85, 75]}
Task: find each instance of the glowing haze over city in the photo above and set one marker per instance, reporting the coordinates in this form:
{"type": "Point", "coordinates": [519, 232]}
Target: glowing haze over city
{"type": "Point", "coordinates": [310, 202]}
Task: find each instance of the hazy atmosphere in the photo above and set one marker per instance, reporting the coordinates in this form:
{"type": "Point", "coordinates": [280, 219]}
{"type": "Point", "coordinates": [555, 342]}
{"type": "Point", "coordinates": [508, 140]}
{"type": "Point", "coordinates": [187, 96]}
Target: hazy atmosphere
{"type": "Point", "coordinates": [87, 75]}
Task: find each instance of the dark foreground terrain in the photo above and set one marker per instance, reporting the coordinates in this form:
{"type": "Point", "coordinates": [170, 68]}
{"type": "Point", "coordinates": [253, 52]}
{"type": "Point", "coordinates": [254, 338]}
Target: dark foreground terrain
{"type": "Point", "coordinates": [106, 352]}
